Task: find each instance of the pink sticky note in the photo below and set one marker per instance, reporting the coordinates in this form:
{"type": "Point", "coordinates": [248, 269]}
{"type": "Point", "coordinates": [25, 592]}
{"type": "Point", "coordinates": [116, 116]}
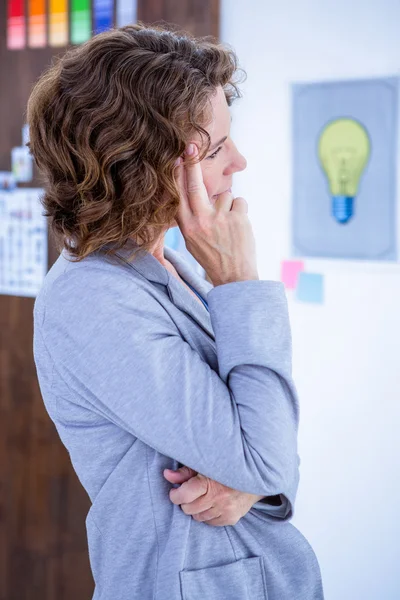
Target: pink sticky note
{"type": "Point", "coordinates": [290, 272]}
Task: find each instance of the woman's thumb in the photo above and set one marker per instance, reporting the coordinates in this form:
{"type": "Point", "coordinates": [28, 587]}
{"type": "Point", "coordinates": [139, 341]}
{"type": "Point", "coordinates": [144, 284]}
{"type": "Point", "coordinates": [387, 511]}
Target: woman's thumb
{"type": "Point", "coordinates": [179, 475]}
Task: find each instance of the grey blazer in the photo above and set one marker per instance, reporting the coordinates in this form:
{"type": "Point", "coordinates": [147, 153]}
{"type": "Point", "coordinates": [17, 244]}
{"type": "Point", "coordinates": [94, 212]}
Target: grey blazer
{"type": "Point", "coordinates": [138, 376]}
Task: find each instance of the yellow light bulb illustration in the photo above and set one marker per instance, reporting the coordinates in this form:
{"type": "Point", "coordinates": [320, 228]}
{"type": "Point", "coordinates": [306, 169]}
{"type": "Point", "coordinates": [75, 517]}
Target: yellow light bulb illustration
{"type": "Point", "coordinates": [343, 150]}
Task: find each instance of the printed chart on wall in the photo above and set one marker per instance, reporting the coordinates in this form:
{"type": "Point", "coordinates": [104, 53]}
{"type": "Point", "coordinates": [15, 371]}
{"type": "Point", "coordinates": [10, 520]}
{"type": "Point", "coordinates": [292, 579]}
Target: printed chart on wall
{"type": "Point", "coordinates": [23, 242]}
{"type": "Point", "coordinates": [344, 169]}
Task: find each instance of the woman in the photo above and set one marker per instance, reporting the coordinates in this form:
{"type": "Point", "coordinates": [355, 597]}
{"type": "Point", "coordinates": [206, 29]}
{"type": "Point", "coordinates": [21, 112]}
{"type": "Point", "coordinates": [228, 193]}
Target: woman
{"type": "Point", "coordinates": [144, 366]}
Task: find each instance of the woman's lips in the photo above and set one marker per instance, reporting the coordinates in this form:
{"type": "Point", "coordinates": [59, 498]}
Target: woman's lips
{"type": "Point", "coordinates": [216, 195]}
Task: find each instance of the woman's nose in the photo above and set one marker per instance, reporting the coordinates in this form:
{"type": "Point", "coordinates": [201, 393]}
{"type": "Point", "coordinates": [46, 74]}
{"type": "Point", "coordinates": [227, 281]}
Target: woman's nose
{"type": "Point", "coordinates": [242, 162]}
{"type": "Point", "coordinates": [237, 163]}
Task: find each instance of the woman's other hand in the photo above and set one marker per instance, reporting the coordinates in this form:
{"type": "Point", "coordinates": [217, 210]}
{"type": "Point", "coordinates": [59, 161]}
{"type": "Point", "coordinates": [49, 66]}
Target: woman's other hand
{"type": "Point", "coordinates": [207, 500]}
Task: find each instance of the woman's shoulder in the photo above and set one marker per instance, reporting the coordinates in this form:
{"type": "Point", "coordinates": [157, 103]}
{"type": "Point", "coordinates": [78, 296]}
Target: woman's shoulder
{"type": "Point", "coordinates": [95, 289]}
{"type": "Point", "coordinates": [93, 271]}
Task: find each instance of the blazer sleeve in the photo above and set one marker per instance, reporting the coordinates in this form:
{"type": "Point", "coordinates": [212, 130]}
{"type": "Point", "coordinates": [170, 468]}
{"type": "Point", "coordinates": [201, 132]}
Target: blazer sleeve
{"type": "Point", "coordinates": [114, 342]}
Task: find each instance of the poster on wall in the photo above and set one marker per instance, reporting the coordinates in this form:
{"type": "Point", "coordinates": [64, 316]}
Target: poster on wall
{"type": "Point", "coordinates": [23, 242]}
{"type": "Point", "coordinates": [344, 169]}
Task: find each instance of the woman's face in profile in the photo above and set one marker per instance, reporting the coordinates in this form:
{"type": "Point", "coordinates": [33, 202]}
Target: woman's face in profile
{"type": "Point", "coordinates": [223, 158]}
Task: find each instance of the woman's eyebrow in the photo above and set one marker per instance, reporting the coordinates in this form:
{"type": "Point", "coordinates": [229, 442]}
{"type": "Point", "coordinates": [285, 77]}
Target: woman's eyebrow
{"type": "Point", "coordinates": [220, 141]}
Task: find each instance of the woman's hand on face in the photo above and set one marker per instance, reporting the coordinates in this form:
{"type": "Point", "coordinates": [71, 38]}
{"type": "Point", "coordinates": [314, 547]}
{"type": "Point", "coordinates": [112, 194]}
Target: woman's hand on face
{"type": "Point", "coordinates": [218, 235]}
{"type": "Point", "coordinates": [207, 500]}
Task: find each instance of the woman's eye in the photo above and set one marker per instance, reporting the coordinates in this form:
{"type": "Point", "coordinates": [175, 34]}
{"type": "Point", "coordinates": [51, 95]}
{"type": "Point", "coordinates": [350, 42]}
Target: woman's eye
{"type": "Point", "coordinates": [214, 154]}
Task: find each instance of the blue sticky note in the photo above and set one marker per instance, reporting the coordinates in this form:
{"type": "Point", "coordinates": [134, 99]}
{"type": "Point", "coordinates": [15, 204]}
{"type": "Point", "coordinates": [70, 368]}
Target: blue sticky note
{"type": "Point", "coordinates": [310, 288]}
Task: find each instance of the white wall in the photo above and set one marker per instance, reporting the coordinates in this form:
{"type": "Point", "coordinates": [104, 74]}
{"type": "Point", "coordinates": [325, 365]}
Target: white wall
{"type": "Point", "coordinates": [346, 351]}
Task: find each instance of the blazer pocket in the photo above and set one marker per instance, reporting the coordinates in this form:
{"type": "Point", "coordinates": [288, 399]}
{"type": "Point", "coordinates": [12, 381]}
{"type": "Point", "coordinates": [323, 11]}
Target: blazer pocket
{"type": "Point", "coordinates": [243, 579]}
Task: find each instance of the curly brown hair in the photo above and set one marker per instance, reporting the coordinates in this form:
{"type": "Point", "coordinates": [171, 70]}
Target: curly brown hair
{"type": "Point", "coordinates": [107, 122]}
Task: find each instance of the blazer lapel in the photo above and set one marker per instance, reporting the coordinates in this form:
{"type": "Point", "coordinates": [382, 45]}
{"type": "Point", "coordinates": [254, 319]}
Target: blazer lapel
{"type": "Point", "coordinates": [150, 268]}
{"type": "Point", "coordinates": [180, 295]}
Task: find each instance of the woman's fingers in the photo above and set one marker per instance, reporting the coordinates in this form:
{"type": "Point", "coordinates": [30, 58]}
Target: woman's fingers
{"type": "Point", "coordinates": [184, 212]}
{"type": "Point", "coordinates": [196, 192]}
{"type": "Point", "coordinates": [193, 194]}
{"type": "Point", "coordinates": [224, 202]}
{"type": "Point", "coordinates": [190, 490]}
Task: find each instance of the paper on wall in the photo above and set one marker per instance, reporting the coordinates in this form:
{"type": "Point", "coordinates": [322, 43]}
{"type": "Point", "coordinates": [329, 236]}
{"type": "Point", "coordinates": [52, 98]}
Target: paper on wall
{"type": "Point", "coordinates": [23, 242]}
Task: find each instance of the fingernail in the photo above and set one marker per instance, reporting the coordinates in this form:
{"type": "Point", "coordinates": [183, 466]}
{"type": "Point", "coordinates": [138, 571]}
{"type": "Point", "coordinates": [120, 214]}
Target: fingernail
{"type": "Point", "coordinates": [178, 162]}
{"type": "Point", "coordinates": [190, 149]}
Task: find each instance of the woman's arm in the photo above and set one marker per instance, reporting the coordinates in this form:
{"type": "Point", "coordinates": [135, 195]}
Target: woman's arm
{"type": "Point", "coordinates": [121, 354]}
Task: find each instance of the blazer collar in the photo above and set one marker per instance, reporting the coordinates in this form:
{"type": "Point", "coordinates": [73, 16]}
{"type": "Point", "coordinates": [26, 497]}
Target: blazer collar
{"type": "Point", "coordinates": [150, 268]}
